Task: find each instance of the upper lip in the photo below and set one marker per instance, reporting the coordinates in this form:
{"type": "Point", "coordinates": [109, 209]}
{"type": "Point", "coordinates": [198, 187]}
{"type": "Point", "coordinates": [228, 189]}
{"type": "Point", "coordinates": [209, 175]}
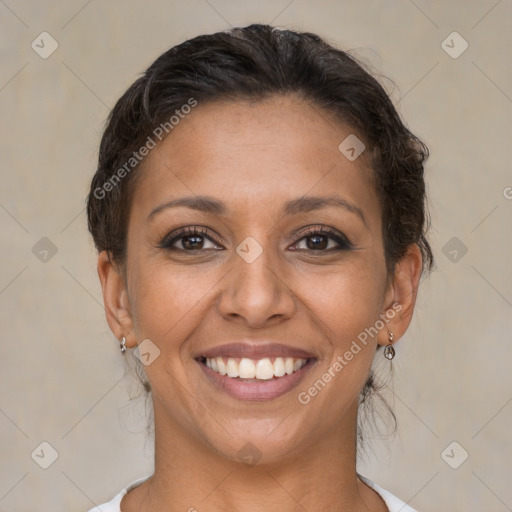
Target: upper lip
{"type": "Point", "coordinates": [255, 350]}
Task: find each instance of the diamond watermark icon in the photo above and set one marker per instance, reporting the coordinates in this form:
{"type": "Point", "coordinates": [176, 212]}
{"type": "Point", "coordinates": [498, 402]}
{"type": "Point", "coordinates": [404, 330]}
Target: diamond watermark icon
{"type": "Point", "coordinates": [351, 147]}
{"type": "Point", "coordinates": [249, 454]}
{"type": "Point", "coordinates": [44, 45]}
{"type": "Point", "coordinates": [146, 352]}
{"type": "Point", "coordinates": [454, 455]}
{"type": "Point", "coordinates": [454, 249]}
{"type": "Point", "coordinates": [44, 455]}
{"type": "Point", "coordinates": [249, 249]}
{"type": "Point", "coordinates": [454, 45]}
{"type": "Point", "coordinates": [44, 249]}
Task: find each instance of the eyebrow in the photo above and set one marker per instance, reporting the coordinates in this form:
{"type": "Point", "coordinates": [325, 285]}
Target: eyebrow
{"type": "Point", "coordinates": [211, 205]}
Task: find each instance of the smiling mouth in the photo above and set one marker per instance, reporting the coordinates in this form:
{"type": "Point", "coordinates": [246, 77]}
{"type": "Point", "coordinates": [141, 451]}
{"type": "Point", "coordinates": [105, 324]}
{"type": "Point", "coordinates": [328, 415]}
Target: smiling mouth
{"type": "Point", "coordinates": [245, 369]}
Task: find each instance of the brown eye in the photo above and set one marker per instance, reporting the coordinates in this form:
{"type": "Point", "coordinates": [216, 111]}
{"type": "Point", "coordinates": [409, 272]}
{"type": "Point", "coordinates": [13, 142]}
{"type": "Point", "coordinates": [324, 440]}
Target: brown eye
{"type": "Point", "coordinates": [190, 238]}
{"type": "Point", "coordinates": [322, 240]}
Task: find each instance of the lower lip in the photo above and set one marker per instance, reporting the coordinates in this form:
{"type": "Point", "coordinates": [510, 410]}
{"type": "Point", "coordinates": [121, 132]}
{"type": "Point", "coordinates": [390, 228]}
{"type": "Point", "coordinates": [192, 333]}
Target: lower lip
{"type": "Point", "coordinates": [256, 390]}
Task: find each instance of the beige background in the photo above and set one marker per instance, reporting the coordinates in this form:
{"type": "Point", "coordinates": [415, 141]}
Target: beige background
{"type": "Point", "coordinates": [61, 371]}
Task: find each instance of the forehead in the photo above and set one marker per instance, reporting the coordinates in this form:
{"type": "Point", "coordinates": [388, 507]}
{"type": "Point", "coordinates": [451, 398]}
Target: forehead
{"type": "Point", "coordinates": [260, 152]}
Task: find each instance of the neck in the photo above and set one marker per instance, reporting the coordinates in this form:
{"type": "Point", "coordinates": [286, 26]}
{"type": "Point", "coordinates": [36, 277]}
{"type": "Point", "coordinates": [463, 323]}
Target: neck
{"type": "Point", "coordinates": [190, 477]}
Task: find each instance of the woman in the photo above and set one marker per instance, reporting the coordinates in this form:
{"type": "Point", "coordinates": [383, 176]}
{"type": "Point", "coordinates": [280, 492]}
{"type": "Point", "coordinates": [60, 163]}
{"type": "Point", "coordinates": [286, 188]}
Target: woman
{"type": "Point", "coordinates": [259, 213]}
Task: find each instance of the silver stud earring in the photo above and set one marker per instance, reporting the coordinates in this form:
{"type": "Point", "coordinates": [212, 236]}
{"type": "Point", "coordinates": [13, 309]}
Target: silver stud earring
{"type": "Point", "coordinates": [389, 350]}
{"type": "Point", "coordinates": [122, 344]}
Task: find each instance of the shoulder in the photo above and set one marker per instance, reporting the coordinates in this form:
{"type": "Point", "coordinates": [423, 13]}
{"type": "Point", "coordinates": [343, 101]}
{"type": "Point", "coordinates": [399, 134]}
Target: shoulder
{"type": "Point", "coordinates": [114, 505]}
{"type": "Point", "coordinates": [394, 504]}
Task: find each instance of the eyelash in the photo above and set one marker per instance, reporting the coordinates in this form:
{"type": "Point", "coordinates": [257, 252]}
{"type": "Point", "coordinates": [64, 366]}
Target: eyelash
{"type": "Point", "coordinates": [169, 240]}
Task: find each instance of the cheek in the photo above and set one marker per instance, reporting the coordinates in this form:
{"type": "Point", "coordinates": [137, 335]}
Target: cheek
{"type": "Point", "coordinates": [168, 301]}
{"type": "Point", "coordinates": [345, 306]}
{"type": "Point", "coordinates": [357, 304]}
{"type": "Point", "coordinates": [347, 299]}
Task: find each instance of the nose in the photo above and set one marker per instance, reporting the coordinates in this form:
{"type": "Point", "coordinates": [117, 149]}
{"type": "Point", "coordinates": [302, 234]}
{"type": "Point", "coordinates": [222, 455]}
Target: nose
{"type": "Point", "coordinates": [256, 293]}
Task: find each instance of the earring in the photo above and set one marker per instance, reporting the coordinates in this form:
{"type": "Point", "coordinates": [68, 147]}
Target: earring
{"type": "Point", "coordinates": [122, 344]}
{"type": "Point", "coordinates": [389, 350]}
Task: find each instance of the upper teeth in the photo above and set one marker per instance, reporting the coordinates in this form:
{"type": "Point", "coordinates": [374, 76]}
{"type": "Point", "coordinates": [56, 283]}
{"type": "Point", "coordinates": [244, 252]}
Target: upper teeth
{"type": "Point", "coordinates": [262, 369]}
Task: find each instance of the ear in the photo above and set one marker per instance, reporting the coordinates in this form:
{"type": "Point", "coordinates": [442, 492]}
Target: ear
{"type": "Point", "coordinates": [401, 295]}
{"type": "Point", "coordinates": [115, 299]}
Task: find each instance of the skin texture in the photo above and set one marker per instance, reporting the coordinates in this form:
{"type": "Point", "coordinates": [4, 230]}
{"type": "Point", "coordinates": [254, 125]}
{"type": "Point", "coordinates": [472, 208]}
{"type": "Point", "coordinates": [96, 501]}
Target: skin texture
{"type": "Point", "coordinates": [255, 156]}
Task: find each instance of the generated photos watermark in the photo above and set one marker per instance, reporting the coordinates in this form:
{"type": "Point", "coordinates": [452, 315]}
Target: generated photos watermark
{"type": "Point", "coordinates": [159, 134]}
{"type": "Point", "coordinates": [305, 397]}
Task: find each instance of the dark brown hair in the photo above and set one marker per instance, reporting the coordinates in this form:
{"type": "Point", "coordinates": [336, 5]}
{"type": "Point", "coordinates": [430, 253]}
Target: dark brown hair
{"type": "Point", "coordinates": [252, 63]}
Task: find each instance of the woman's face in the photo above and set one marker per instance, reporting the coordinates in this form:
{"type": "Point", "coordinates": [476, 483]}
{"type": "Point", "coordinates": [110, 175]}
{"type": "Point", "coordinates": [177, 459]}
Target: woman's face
{"type": "Point", "coordinates": [255, 276]}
